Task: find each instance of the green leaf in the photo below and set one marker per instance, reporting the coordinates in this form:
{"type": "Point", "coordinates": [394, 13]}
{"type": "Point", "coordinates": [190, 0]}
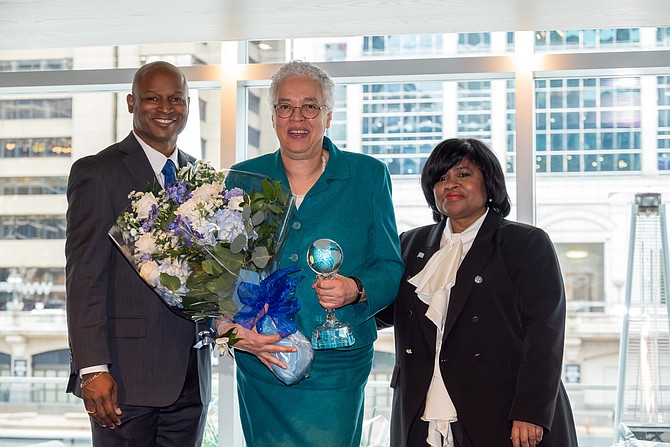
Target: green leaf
{"type": "Point", "coordinates": [231, 334]}
{"type": "Point", "coordinates": [233, 261]}
{"type": "Point", "coordinates": [222, 286]}
{"type": "Point", "coordinates": [268, 190]}
{"type": "Point", "coordinates": [246, 211]}
{"type": "Point", "coordinates": [275, 208]}
{"type": "Point", "coordinates": [238, 244]}
{"type": "Point", "coordinates": [281, 194]}
{"type": "Point", "coordinates": [227, 307]}
{"type": "Point", "coordinates": [170, 282]}
{"type": "Point", "coordinates": [211, 267]}
{"type": "Point", "coordinates": [258, 218]}
{"type": "Point", "coordinates": [260, 257]}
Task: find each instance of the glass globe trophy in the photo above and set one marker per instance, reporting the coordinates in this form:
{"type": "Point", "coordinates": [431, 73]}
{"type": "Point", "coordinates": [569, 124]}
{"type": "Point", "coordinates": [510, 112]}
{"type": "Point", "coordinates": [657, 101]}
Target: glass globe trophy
{"type": "Point", "coordinates": [325, 258]}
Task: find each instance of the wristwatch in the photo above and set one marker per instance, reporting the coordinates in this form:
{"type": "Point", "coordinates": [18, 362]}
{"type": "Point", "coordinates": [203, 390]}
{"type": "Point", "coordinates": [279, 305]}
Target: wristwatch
{"type": "Point", "coordinates": [359, 286]}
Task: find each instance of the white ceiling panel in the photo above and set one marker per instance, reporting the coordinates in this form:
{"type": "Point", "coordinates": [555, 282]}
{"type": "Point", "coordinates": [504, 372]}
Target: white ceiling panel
{"type": "Point", "coordinates": [72, 23]}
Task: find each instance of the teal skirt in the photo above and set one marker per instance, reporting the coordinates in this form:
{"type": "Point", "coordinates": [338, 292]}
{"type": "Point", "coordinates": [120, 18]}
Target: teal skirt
{"type": "Point", "coordinates": [325, 409]}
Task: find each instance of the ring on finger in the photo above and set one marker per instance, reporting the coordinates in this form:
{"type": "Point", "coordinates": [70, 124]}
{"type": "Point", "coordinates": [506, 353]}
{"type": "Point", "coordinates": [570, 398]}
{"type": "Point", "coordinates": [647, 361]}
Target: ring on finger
{"type": "Point", "coordinates": [91, 412]}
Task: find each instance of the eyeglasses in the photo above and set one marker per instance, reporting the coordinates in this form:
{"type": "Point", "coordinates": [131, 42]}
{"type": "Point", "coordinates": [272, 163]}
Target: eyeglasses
{"type": "Point", "coordinates": [308, 110]}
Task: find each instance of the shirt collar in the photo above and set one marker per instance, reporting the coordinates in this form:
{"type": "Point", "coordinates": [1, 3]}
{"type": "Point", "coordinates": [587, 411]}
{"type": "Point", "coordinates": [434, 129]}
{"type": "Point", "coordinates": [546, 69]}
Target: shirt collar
{"type": "Point", "coordinates": [468, 235]}
{"type": "Point", "coordinates": [156, 159]}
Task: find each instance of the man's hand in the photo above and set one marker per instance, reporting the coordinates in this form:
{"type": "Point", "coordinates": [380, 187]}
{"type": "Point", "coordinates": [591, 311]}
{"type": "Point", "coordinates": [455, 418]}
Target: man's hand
{"type": "Point", "coordinates": [101, 400]}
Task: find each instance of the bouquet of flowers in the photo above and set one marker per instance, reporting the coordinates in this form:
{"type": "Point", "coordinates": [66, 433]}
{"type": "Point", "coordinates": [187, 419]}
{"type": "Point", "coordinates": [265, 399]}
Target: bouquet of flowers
{"type": "Point", "coordinates": [194, 240]}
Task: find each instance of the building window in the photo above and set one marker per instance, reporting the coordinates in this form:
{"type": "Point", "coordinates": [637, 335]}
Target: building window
{"type": "Point", "coordinates": [35, 288]}
{"type": "Point", "coordinates": [583, 272]}
{"type": "Point", "coordinates": [403, 45]}
{"type": "Point", "coordinates": [51, 364]}
{"type": "Point", "coordinates": [663, 37]}
{"type": "Point", "coordinates": [588, 124]}
{"type": "Point", "coordinates": [10, 186]}
{"type": "Point", "coordinates": [399, 121]}
{"type": "Point", "coordinates": [254, 103]}
{"type": "Point", "coordinates": [35, 147]}
{"type": "Point", "coordinates": [474, 110]}
{"type": "Point", "coordinates": [335, 51]}
{"type": "Point", "coordinates": [202, 105]}
{"type": "Point", "coordinates": [36, 65]}
{"type": "Point", "coordinates": [663, 122]}
{"type": "Point", "coordinates": [474, 42]}
{"type": "Point", "coordinates": [5, 367]}
{"type": "Point", "coordinates": [31, 109]}
{"type": "Point", "coordinates": [586, 39]}
{"type": "Point", "coordinates": [254, 138]}
{"type": "Point", "coordinates": [32, 227]}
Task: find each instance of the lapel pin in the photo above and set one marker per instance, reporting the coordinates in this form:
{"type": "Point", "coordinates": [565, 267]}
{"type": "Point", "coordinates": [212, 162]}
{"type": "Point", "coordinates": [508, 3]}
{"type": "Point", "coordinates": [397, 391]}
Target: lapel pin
{"type": "Point", "coordinates": [478, 279]}
{"type": "Point", "coordinates": [420, 255]}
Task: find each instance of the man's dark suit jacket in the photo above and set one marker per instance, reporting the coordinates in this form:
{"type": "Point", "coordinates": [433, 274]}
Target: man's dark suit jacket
{"type": "Point", "coordinates": [113, 316]}
{"type": "Point", "coordinates": [503, 343]}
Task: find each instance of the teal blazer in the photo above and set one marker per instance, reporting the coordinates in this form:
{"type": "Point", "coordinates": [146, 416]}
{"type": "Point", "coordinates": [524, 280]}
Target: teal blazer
{"type": "Point", "coordinates": [350, 204]}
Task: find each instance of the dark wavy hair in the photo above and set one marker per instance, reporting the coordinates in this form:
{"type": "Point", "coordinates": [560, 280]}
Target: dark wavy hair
{"type": "Point", "coordinates": [450, 152]}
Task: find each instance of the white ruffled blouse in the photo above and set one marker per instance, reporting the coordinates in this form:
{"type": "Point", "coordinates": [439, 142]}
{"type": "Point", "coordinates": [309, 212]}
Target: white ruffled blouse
{"type": "Point", "coordinates": [433, 286]}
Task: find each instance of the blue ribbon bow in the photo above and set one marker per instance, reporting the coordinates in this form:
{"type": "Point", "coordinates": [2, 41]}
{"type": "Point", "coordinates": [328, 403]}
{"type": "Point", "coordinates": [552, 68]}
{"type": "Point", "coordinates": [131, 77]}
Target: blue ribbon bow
{"type": "Point", "coordinates": [277, 290]}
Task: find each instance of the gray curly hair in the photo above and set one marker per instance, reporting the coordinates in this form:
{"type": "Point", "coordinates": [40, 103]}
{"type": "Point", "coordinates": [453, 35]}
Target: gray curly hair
{"type": "Point", "coordinates": [303, 68]}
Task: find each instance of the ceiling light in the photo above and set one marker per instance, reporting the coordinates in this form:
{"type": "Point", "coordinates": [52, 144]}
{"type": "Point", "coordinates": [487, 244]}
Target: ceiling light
{"type": "Point", "coordinates": [576, 253]}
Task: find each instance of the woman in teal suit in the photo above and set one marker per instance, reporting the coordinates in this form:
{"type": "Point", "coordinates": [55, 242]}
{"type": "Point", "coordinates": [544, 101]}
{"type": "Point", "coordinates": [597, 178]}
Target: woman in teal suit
{"type": "Point", "coordinates": [345, 197]}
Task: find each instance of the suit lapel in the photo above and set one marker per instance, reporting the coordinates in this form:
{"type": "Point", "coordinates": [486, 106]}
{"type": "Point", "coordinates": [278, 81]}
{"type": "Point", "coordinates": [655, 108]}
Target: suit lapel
{"type": "Point", "coordinates": [468, 273]}
{"type": "Point", "coordinates": [419, 260]}
{"type": "Point", "coordinates": [183, 158]}
{"type": "Point", "coordinates": [137, 163]}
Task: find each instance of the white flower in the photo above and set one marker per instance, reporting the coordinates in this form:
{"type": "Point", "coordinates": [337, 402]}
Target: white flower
{"type": "Point", "coordinates": [208, 191]}
{"type": "Point", "coordinates": [190, 210]}
{"type": "Point", "coordinates": [145, 244]}
{"type": "Point", "coordinates": [143, 206]}
{"type": "Point", "coordinates": [235, 203]}
{"type": "Point", "coordinates": [149, 272]}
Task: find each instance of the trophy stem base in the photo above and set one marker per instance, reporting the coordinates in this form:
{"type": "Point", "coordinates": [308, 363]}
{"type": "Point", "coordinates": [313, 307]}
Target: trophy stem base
{"type": "Point", "coordinates": [329, 336]}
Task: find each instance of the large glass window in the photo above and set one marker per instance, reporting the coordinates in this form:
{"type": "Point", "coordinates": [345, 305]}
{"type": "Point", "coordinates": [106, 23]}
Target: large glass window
{"type": "Point", "coordinates": [587, 39]}
{"type": "Point", "coordinates": [663, 123]}
{"type": "Point", "coordinates": [388, 46]}
{"type": "Point", "coordinates": [588, 124]}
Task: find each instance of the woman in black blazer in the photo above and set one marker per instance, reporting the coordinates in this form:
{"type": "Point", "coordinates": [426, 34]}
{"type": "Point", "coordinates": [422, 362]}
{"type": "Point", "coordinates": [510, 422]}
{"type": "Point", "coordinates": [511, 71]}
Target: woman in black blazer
{"type": "Point", "coordinates": [485, 294]}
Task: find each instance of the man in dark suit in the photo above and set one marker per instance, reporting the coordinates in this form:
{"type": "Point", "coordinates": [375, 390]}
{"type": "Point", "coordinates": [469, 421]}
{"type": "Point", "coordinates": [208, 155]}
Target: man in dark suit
{"type": "Point", "coordinates": [132, 359]}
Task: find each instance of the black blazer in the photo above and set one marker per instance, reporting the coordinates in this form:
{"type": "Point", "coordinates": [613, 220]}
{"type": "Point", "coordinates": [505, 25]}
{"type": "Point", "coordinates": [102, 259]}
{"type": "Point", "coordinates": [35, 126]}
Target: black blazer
{"type": "Point", "coordinates": [504, 333]}
{"type": "Point", "coordinates": [113, 316]}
